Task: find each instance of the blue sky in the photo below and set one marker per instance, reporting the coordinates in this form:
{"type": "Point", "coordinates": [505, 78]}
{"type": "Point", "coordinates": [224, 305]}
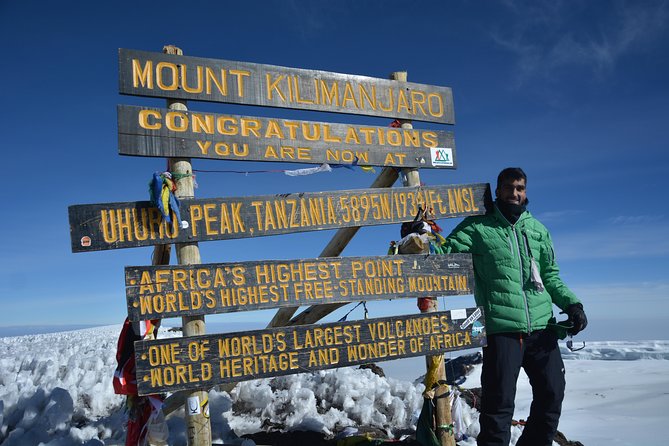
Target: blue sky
{"type": "Point", "coordinates": [574, 92]}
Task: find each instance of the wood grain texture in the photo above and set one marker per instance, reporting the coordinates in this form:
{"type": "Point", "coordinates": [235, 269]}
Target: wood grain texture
{"type": "Point", "coordinates": [124, 225]}
{"type": "Point", "coordinates": [157, 132]}
{"type": "Point", "coordinates": [150, 74]}
{"type": "Point", "coordinates": [202, 362]}
{"type": "Point", "coordinates": [155, 292]}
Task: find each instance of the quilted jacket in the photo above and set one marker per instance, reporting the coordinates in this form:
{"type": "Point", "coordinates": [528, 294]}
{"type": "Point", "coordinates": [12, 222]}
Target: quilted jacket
{"type": "Point", "coordinates": [503, 255]}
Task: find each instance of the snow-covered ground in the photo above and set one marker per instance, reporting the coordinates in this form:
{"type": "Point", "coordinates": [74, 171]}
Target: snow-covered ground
{"type": "Point", "coordinates": [55, 389]}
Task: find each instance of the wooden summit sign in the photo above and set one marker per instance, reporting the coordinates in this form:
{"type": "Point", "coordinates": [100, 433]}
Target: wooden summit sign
{"type": "Point", "coordinates": [155, 292]}
{"type": "Point", "coordinates": [161, 132]}
{"type": "Point", "coordinates": [143, 73]}
{"type": "Point", "coordinates": [201, 362]}
{"type": "Point", "coordinates": [95, 227]}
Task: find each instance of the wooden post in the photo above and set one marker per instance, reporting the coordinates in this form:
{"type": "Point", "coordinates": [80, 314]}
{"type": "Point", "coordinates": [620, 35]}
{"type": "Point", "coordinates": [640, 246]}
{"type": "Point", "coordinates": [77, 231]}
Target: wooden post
{"type": "Point", "coordinates": [411, 178]}
{"type": "Point", "coordinates": [198, 425]}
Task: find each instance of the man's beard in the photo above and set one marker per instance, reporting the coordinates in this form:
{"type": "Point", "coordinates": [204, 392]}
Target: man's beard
{"type": "Point", "coordinates": [511, 211]}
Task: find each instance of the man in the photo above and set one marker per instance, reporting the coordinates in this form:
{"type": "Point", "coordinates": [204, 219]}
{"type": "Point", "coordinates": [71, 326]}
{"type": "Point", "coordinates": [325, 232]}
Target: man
{"type": "Point", "coordinates": [517, 283]}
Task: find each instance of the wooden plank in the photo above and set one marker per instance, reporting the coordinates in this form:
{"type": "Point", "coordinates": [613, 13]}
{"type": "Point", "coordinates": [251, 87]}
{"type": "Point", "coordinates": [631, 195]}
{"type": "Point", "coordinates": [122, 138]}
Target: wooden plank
{"type": "Point", "coordinates": [143, 73]}
{"type": "Point", "coordinates": [201, 362]}
{"type": "Point", "coordinates": [159, 132]}
{"type": "Point", "coordinates": [95, 227]}
{"type": "Point", "coordinates": [155, 292]}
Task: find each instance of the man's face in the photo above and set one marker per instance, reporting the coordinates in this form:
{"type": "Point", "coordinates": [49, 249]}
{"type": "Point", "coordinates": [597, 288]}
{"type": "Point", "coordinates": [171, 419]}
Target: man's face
{"type": "Point", "coordinates": [512, 192]}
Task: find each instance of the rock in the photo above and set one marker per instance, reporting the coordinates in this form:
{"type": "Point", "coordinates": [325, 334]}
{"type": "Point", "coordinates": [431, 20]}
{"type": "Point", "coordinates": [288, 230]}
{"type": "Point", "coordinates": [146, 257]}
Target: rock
{"type": "Point", "coordinates": [458, 368]}
{"type": "Point", "coordinates": [562, 440]}
{"type": "Point", "coordinates": [289, 438]}
{"type": "Point", "coordinates": [374, 368]}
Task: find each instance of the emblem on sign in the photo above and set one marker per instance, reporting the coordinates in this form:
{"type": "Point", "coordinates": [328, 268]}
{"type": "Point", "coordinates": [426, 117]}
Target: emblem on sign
{"type": "Point", "coordinates": [442, 156]}
{"type": "Point", "coordinates": [193, 406]}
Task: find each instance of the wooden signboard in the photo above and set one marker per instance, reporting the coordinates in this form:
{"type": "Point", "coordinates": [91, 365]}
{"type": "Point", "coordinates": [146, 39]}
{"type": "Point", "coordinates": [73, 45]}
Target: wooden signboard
{"type": "Point", "coordinates": [161, 132]}
{"type": "Point", "coordinates": [95, 227]}
{"type": "Point", "coordinates": [202, 362]}
{"type": "Point", "coordinates": [155, 292]}
{"type": "Point", "coordinates": [143, 73]}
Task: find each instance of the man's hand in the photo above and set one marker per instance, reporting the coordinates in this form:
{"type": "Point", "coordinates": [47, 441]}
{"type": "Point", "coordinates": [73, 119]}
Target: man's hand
{"type": "Point", "coordinates": [577, 318]}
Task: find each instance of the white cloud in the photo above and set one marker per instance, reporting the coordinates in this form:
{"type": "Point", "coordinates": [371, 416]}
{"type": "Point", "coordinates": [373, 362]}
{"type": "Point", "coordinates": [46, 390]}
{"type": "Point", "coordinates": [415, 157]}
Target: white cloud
{"type": "Point", "coordinates": [553, 216]}
{"type": "Point", "coordinates": [624, 302]}
{"type": "Point", "coordinates": [309, 14]}
{"type": "Point", "coordinates": [635, 219]}
{"type": "Point", "coordinates": [637, 293]}
{"type": "Point", "coordinates": [549, 35]}
{"type": "Point", "coordinates": [620, 241]}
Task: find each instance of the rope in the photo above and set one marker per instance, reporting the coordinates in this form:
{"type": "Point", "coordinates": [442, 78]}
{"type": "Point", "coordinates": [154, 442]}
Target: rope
{"type": "Point", "coordinates": [245, 172]}
{"type": "Point", "coordinates": [432, 380]}
{"type": "Point", "coordinates": [290, 172]}
{"type": "Point", "coordinates": [363, 303]}
{"type": "Point", "coordinates": [447, 427]}
{"type": "Point", "coordinates": [179, 176]}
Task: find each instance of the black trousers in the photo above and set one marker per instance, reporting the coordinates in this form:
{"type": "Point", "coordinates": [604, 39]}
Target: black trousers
{"type": "Point", "coordinates": [539, 355]}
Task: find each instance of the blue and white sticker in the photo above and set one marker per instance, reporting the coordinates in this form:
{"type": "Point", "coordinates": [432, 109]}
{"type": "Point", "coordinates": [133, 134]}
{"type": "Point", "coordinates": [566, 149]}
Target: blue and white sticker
{"type": "Point", "coordinates": [475, 316]}
{"type": "Point", "coordinates": [441, 156]}
{"type": "Point", "coordinates": [477, 329]}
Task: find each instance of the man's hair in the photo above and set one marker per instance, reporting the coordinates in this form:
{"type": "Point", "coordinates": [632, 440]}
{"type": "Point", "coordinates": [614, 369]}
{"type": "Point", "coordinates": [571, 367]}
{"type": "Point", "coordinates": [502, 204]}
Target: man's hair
{"type": "Point", "coordinates": [511, 174]}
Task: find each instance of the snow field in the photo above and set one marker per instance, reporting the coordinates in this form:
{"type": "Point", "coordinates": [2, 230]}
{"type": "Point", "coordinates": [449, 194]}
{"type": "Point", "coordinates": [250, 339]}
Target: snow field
{"type": "Point", "coordinates": [56, 390]}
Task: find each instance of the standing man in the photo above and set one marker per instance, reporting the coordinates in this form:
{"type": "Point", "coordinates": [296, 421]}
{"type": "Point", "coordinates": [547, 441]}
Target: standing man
{"type": "Point", "coordinates": [517, 283]}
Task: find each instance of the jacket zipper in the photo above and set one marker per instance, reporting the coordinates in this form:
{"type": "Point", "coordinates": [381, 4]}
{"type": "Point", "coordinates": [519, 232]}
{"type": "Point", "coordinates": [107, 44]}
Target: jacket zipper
{"type": "Point", "coordinates": [527, 245]}
{"type": "Point", "coordinates": [522, 280]}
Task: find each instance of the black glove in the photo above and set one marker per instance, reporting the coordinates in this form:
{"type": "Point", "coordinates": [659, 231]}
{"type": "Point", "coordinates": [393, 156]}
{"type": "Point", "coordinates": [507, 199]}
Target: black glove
{"type": "Point", "coordinates": [577, 318]}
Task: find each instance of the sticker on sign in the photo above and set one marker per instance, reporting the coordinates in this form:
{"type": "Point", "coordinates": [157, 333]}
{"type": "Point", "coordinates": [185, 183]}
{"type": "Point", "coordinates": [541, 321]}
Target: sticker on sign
{"type": "Point", "coordinates": [193, 405]}
{"type": "Point", "coordinates": [442, 156]}
{"type": "Point", "coordinates": [458, 314]}
{"type": "Point", "coordinates": [471, 319]}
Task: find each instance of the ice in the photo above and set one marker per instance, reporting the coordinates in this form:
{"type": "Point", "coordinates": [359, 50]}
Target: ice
{"type": "Point", "coordinates": [55, 389]}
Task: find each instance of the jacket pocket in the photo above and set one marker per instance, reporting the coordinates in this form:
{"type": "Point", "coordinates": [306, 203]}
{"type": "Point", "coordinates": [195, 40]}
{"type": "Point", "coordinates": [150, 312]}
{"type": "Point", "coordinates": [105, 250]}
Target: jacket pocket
{"type": "Point", "coordinates": [534, 242]}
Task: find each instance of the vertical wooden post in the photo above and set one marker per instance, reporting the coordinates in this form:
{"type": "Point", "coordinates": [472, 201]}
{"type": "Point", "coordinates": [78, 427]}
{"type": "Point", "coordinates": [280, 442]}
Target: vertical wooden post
{"type": "Point", "coordinates": [411, 178]}
{"type": "Point", "coordinates": [198, 426]}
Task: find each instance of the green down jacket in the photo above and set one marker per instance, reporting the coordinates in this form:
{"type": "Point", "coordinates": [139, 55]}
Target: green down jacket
{"type": "Point", "coordinates": [512, 301]}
